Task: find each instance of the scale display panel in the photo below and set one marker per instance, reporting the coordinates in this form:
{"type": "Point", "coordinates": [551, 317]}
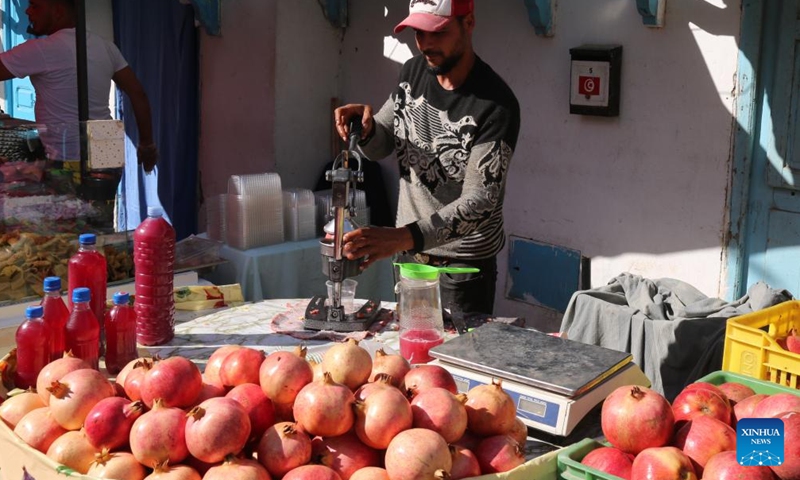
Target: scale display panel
{"type": "Point", "coordinates": [532, 358]}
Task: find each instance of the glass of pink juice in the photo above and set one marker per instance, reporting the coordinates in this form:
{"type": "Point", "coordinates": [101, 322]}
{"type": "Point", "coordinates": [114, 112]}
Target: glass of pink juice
{"type": "Point", "coordinates": [416, 343]}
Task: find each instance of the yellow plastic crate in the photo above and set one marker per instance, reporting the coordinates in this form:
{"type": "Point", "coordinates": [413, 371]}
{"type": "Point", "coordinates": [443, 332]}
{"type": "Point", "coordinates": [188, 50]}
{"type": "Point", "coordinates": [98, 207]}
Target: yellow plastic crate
{"type": "Point", "coordinates": [751, 346]}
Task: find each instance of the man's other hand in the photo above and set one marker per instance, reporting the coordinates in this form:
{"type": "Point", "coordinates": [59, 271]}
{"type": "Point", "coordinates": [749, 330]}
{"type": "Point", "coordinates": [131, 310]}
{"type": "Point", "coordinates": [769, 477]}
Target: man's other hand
{"type": "Point", "coordinates": [148, 156]}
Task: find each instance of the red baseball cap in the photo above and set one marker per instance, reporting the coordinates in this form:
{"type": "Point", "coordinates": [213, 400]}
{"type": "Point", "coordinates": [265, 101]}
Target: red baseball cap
{"type": "Point", "coordinates": [433, 15]}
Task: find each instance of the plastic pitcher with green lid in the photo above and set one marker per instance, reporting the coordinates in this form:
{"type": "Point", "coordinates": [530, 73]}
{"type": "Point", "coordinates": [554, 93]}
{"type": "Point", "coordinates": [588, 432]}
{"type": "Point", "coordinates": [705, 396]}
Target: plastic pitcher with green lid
{"type": "Point", "coordinates": [419, 309]}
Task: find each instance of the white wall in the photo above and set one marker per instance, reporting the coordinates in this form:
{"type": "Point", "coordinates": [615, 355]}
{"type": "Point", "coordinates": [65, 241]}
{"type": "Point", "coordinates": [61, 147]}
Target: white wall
{"type": "Point", "coordinates": [644, 192]}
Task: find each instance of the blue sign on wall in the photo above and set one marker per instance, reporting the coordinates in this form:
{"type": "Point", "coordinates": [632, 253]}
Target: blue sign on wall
{"type": "Point", "coordinates": [542, 274]}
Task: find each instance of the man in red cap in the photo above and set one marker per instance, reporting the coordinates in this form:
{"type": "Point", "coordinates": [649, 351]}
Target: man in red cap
{"type": "Point", "coordinates": [453, 124]}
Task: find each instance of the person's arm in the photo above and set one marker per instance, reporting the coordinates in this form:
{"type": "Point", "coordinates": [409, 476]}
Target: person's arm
{"type": "Point", "coordinates": [379, 143]}
{"type": "Point", "coordinates": [4, 73]}
{"type": "Point", "coordinates": [127, 82]}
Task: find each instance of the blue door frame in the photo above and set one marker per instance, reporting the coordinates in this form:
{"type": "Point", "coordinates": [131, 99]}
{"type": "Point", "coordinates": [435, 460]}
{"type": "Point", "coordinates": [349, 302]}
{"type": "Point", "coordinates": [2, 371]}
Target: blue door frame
{"type": "Point", "coordinates": [760, 188]}
{"type": "Point", "coordinates": [20, 96]}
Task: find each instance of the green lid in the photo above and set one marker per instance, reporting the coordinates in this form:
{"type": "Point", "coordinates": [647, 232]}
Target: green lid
{"type": "Point", "coordinates": [419, 271]}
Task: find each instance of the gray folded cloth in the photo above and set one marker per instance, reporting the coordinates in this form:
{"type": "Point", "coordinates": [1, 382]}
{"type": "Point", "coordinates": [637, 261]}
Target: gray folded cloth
{"type": "Point", "coordinates": [673, 330]}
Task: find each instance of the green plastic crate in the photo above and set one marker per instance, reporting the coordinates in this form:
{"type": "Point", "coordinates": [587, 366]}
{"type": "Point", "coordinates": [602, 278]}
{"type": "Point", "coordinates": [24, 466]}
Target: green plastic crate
{"type": "Point", "coordinates": [759, 386]}
{"type": "Point", "coordinates": [569, 459]}
{"type": "Point", "coordinates": [569, 462]}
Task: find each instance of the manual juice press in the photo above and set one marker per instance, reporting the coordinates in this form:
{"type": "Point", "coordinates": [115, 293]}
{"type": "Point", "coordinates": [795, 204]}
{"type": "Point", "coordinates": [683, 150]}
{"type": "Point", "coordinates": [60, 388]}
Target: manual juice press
{"type": "Point", "coordinates": [322, 315]}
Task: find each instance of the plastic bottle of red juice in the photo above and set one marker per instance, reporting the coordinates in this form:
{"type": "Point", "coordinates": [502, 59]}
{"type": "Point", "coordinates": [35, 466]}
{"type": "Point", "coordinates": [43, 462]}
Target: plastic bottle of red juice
{"type": "Point", "coordinates": [120, 334]}
{"type": "Point", "coordinates": [153, 260]}
{"type": "Point", "coordinates": [83, 329]}
{"type": "Point", "coordinates": [33, 348]}
{"type": "Point", "coordinates": [56, 315]}
{"type": "Point", "coordinates": [87, 268]}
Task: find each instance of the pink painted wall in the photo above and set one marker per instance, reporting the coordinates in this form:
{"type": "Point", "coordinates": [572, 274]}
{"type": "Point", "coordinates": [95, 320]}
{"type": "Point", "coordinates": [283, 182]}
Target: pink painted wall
{"type": "Point", "coordinates": [237, 94]}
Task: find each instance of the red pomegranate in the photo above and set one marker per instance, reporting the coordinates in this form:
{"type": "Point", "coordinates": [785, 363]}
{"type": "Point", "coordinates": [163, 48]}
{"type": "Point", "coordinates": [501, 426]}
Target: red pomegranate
{"type": "Point", "coordinates": [690, 404]}
{"type": "Point", "coordinates": [381, 381]}
{"type": "Point", "coordinates": [159, 436]}
{"type": "Point", "coordinates": [418, 453]}
{"type": "Point", "coordinates": [736, 392]}
{"type": "Point", "coordinates": [662, 463]}
{"type": "Point", "coordinates": [499, 453]}
{"type": "Point", "coordinates": [393, 365]}
{"type": "Point", "coordinates": [73, 450]}
{"type": "Point", "coordinates": [439, 410]}
{"type": "Point", "coordinates": [241, 366]}
{"type": "Point", "coordinates": [283, 374]}
{"type": "Point", "coordinates": [610, 460]}
{"type": "Point", "coordinates": [702, 438]}
{"type": "Point", "coordinates": [211, 372]}
{"type": "Point", "coordinates": [216, 428]}
{"type": "Point", "coordinates": [370, 473]}
{"type": "Point", "coordinates": [74, 396]}
{"type": "Point", "coordinates": [423, 377]}
{"type": "Point", "coordinates": [745, 408]}
{"type": "Point", "coordinates": [348, 364]}
{"type": "Point", "coordinates": [174, 472]}
{"type": "Point", "coordinates": [344, 454]}
{"type": "Point", "coordinates": [519, 432]}
{"type": "Point", "coordinates": [121, 465]}
{"type": "Point", "coordinates": [258, 407]}
{"type": "Point", "coordinates": [119, 380]}
{"type": "Point", "coordinates": [237, 469]}
{"type": "Point", "coordinates": [324, 408]}
{"type": "Point", "coordinates": [54, 371]}
{"type": "Point", "coordinates": [634, 418]}
{"type": "Point", "coordinates": [790, 470]}
{"type": "Point", "coordinates": [490, 410]}
{"type": "Point", "coordinates": [39, 429]}
{"type": "Point", "coordinates": [380, 417]}
{"type": "Point", "coordinates": [109, 423]}
{"type": "Point", "coordinates": [176, 381]}
{"type": "Point", "coordinates": [725, 466]}
{"type": "Point", "coordinates": [132, 385]}
{"type": "Point", "coordinates": [776, 404]}
{"type": "Point", "coordinates": [282, 448]}
{"type": "Point", "coordinates": [312, 472]}
{"type": "Point", "coordinates": [209, 390]}
{"type": "Point", "coordinates": [706, 386]}
{"type": "Point", "coordinates": [17, 406]}
{"type": "Point", "coordinates": [465, 463]}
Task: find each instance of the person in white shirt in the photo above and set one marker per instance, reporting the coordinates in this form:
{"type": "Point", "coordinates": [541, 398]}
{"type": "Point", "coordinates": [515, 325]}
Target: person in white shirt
{"type": "Point", "coordinates": [51, 64]}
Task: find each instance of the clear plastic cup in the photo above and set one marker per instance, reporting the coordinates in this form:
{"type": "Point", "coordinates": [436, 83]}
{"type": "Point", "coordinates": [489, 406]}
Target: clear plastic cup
{"type": "Point", "coordinates": [348, 294]}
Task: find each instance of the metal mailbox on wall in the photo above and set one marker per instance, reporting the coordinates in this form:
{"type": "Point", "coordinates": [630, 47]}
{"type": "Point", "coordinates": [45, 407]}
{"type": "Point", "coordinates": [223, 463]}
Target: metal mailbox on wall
{"type": "Point", "coordinates": [595, 80]}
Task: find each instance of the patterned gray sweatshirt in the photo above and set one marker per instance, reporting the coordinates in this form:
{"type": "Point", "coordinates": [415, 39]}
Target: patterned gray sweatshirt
{"type": "Point", "coordinates": [454, 148]}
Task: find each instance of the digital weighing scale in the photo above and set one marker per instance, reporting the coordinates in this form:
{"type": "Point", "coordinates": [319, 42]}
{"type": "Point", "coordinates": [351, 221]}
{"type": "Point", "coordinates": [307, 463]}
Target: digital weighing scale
{"type": "Point", "coordinates": [554, 382]}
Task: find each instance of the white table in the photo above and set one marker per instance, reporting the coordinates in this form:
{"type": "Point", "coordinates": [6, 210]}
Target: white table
{"type": "Point", "coordinates": [293, 270]}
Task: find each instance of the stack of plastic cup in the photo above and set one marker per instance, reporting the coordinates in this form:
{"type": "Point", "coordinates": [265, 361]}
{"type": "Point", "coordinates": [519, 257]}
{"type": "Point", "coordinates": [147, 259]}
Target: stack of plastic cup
{"type": "Point", "coordinates": [215, 217]}
{"type": "Point", "coordinates": [154, 260]}
{"type": "Point", "coordinates": [299, 214]}
{"type": "Point", "coordinates": [254, 211]}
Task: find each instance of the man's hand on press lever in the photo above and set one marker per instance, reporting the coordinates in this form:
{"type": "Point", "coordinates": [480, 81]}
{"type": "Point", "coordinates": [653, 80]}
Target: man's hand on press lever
{"type": "Point", "coordinates": [147, 154]}
{"type": "Point", "coordinates": [376, 243]}
{"type": "Point", "coordinates": [342, 116]}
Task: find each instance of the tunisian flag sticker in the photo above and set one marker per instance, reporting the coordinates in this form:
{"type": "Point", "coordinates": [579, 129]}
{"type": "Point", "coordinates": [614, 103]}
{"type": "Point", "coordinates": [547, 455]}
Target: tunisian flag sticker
{"type": "Point", "coordinates": [588, 85]}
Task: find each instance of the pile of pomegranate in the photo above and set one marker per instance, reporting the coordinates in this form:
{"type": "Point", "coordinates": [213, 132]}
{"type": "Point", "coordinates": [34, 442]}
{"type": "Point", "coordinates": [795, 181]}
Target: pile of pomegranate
{"type": "Point", "coordinates": [694, 437]}
{"type": "Point", "coordinates": [251, 416]}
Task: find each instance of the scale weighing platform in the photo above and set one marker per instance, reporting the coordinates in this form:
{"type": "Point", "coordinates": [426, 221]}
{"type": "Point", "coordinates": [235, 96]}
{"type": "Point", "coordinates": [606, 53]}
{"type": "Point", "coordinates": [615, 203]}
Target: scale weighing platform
{"type": "Point", "coordinates": [554, 382]}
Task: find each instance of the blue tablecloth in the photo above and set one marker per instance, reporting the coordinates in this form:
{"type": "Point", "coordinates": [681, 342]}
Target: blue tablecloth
{"type": "Point", "coordinates": [293, 270]}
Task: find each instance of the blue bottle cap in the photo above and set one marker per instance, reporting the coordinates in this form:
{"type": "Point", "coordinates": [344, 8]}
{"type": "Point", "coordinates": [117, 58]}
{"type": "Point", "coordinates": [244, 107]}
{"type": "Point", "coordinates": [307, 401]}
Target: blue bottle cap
{"type": "Point", "coordinates": [81, 294]}
{"type": "Point", "coordinates": [155, 212]}
{"type": "Point", "coordinates": [52, 284]}
{"type": "Point", "coordinates": [35, 311]}
{"type": "Point", "coordinates": [87, 239]}
{"type": "Point", "coordinates": [121, 298]}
